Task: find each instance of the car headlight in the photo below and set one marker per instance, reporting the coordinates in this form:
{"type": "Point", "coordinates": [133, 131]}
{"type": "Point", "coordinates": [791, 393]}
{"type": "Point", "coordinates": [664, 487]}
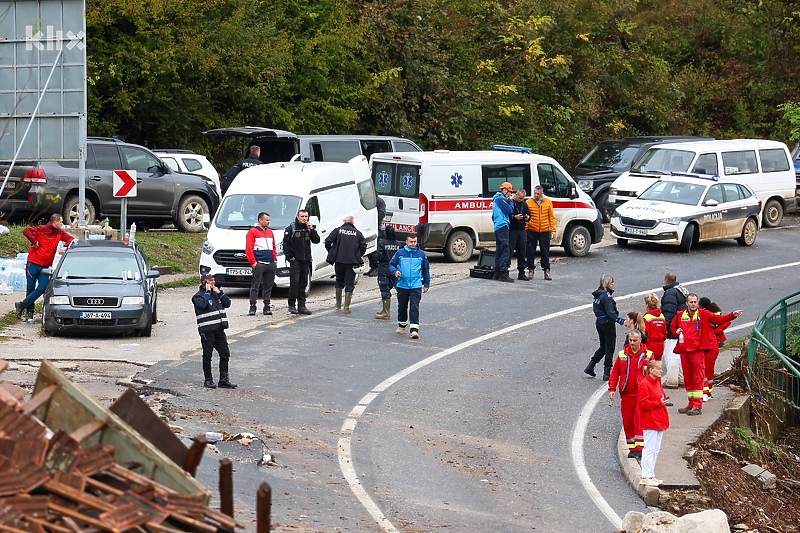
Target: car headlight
{"type": "Point", "coordinates": [133, 300]}
{"type": "Point", "coordinates": [586, 185]}
{"type": "Point", "coordinates": [59, 300]}
{"type": "Point", "coordinates": [208, 248]}
{"type": "Point", "coordinates": [612, 190]}
{"type": "Point", "coordinates": [674, 221]}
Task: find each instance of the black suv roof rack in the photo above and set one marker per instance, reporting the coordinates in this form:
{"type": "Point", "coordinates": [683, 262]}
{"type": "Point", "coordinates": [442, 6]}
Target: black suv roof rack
{"type": "Point", "coordinates": [173, 150]}
{"type": "Point", "coordinates": [110, 139]}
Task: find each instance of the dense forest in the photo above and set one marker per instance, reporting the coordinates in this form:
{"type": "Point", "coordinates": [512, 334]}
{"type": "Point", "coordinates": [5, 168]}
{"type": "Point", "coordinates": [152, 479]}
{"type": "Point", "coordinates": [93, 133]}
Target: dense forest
{"type": "Point", "coordinates": [556, 75]}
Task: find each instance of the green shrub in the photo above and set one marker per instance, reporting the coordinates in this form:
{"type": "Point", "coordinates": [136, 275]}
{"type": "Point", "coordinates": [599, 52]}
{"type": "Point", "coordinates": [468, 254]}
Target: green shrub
{"type": "Point", "coordinates": [793, 336]}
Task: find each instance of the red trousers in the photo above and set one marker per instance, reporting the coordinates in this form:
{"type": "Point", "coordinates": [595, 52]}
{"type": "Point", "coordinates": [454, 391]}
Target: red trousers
{"type": "Point", "coordinates": [694, 375]}
{"type": "Point", "coordinates": [634, 436]}
{"type": "Point", "coordinates": [710, 362]}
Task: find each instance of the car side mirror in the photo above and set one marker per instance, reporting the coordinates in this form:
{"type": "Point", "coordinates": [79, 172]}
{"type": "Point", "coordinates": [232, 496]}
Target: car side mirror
{"type": "Point", "coordinates": [711, 203]}
{"type": "Point", "coordinates": [573, 191]}
{"type": "Point", "coordinates": [47, 272]}
{"type": "Point", "coordinates": [152, 274]}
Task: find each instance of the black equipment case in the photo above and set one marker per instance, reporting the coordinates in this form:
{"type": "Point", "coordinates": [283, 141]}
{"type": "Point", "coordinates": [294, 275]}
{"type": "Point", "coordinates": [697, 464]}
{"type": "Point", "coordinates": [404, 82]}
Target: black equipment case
{"type": "Point", "coordinates": [485, 267]}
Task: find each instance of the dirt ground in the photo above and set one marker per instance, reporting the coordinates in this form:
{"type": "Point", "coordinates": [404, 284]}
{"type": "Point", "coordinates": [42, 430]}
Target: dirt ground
{"type": "Point", "coordinates": [722, 451]}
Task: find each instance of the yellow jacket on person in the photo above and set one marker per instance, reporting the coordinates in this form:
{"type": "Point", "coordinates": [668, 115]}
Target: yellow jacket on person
{"type": "Point", "coordinates": [543, 218]}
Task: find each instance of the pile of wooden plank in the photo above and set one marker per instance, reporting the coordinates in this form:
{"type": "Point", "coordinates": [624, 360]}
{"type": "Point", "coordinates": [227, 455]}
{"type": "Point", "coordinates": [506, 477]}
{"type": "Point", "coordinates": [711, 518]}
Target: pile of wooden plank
{"type": "Point", "coordinates": [70, 465]}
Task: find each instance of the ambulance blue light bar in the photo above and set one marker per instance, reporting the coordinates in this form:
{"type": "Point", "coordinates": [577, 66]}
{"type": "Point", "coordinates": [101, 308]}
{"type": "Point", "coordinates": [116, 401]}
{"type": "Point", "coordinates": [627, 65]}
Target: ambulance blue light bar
{"type": "Point", "coordinates": [509, 148]}
{"type": "Point", "coordinates": [712, 177]}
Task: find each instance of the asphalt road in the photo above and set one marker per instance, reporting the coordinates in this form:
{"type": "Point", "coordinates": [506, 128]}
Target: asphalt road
{"type": "Point", "coordinates": [471, 427]}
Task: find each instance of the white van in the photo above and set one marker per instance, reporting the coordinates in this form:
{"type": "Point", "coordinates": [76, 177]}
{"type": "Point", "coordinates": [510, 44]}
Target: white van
{"type": "Point", "coordinates": [446, 197]}
{"type": "Point", "coordinates": [763, 165]}
{"type": "Point", "coordinates": [328, 191]}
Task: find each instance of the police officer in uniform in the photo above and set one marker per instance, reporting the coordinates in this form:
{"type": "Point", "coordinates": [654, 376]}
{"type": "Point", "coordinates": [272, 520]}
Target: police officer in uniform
{"type": "Point", "coordinates": [346, 246]}
{"type": "Point", "coordinates": [212, 321]}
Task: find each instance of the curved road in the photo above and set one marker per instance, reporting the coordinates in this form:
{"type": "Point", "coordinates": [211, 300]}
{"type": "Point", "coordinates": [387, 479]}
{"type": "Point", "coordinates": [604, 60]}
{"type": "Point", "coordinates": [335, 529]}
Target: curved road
{"type": "Point", "coordinates": [473, 426]}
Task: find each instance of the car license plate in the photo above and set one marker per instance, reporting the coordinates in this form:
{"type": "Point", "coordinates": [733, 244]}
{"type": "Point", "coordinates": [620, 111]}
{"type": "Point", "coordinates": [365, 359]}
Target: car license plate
{"type": "Point", "coordinates": [11, 185]}
{"type": "Point", "coordinates": [635, 231]}
{"type": "Point", "coordinates": [239, 271]}
{"type": "Point", "coordinates": [89, 315]}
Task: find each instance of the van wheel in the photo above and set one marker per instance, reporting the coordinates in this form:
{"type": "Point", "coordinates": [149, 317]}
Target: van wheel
{"type": "Point", "coordinates": [773, 214]}
{"type": "Point", "coordinates": [749, 232]}
{"type": "Point", "coordinates": [190, 214]}
{"type": "Point", "coordinates": [459, 247]}
{"type": "Point", "coordinates": [687, 241]}
{"type": "Point", "coordinates": [577, 241]}
{"type": "Point", "coordinates": [71, 211]}
{"type": "Point", "coordinates": [600, 202]}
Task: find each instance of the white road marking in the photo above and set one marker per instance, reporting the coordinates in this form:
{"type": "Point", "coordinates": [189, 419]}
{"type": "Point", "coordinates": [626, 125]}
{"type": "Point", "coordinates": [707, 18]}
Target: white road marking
{"type": "Point", "coordinates": [349, 426]}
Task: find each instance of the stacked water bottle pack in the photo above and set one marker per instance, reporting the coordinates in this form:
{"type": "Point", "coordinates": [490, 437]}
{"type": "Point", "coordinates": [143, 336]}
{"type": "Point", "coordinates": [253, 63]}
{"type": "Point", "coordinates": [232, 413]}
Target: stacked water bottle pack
{"type": "Point", "coordinates": [12, 273]}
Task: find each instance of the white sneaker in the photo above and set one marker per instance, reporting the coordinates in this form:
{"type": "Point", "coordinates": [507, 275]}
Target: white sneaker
{"type": "Point", "coordinates": [706, 397]}
{"type": "Point", "coordinates": [650, 481]}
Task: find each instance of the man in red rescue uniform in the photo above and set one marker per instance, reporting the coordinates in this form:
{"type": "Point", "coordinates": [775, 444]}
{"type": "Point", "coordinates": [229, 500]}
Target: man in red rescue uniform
{"type": "Point", "coordinates": [628, 370]}
{"type": "Point", "coordinates": [692, 326]}
{"type": "Point", "coordinates": [44, 244]}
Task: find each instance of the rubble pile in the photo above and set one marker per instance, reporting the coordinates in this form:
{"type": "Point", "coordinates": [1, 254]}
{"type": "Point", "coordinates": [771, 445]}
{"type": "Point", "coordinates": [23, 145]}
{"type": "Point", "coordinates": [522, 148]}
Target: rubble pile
{"type": "Point", "coordinates": [59, 481]}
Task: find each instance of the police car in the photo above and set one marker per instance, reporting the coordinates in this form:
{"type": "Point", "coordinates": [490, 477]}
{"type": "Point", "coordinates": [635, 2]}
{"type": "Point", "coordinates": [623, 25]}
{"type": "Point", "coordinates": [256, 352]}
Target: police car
{"type": "Point", "coordinates": [684, 209]}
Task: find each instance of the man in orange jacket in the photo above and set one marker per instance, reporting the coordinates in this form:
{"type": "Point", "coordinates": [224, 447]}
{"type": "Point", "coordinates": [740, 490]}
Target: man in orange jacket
{"type": "Point", "coordinates": [693, 329]}
{"type": "Point", "coordinates": [44, 244]}
{"type": "Point", "coordinates": [540, 229]}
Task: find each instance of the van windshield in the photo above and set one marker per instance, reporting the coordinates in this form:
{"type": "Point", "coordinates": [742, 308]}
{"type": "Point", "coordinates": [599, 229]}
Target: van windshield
{"type": "Point", "coordinates": [240, 211]}
{"type": "Point", "coordinates": [663, 161]}
{"type": "Point", "coordinates": [610, 156]}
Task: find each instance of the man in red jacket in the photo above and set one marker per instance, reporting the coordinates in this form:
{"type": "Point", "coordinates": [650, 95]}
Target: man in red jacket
{"type": "Point", "coordinates": [44, 244]}
{"type": "Point", "coordinates": [692, 326]}
{"type": "Point", "coordinates": [261, 253]}
{"type": "Point", "coordinates": [627, 372]}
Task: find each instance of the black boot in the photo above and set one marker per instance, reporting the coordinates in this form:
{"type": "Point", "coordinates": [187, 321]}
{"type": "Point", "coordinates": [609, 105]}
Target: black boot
{"type": "Point", "coordinates": [224, 382]}
{"type": "Point", "coordinates": [209, 383]}
{"type": "Point", "coordinates": [590, 369]}
{"type": "Point", "coordinates": [373, 271]}
{"type": "Point", "coordinates": [606, 373]}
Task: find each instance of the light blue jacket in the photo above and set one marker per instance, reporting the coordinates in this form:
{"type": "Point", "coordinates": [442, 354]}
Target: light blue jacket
{"type": "Point", "coordinates": [501, 208]}
{"type": "Point", "coordinates": [413, 266]}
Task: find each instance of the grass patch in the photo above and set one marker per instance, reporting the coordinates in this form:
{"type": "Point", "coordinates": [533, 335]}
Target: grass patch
{"type": "Point", "coordinates": [181, 251]}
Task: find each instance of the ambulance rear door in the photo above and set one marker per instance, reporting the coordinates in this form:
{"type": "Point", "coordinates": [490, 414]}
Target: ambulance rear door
{"type": "Point", "coordinates": [397, 182]}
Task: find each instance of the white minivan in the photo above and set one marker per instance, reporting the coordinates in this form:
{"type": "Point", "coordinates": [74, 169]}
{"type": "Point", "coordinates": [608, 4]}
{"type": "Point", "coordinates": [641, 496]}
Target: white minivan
{"type": "Point", "coordinates": [446, 197]}
{"type": "Point", "coordinates": [763, 165]}
{"type": "Point", "coordinates": [328, 191]}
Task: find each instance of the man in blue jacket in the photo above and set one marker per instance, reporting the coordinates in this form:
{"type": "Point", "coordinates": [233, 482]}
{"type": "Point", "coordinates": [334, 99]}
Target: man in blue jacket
{"type": "Point", "coordinates": [502, 207]}
{"type": "Point", "coordinates": [410, 268]}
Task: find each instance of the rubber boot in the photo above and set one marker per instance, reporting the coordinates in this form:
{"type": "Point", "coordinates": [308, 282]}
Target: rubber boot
{"type": "Point", "coordinates": [347, 297]}
{"type": "Point", "coordinates": [224, 382]}
{"type": "Point", "coordinates": [338, 298]}
{"type": "Point", "coordinates": [384, 313]}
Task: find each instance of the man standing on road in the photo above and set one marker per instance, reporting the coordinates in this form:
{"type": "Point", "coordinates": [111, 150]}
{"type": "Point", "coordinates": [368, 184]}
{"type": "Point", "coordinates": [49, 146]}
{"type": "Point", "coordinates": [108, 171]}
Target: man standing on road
{"type": "Point", "coordinates": [297, 239]}
{"type": "Point", "coordinates": [261, 253]}
{"type": "Point", "coordinates": [672, 301]}
{"type": "Point", "coordinates": [374, 257]}
{"type": "Point", "coordinates": [516, 232]}
{"type": "Point", "coordinates": [212, 321]}
{"type": "Point", "coordinates": [541, 229]}
{"type": "Point", "coordinates": [692, 326]}
{"type": "Point", "coordinates": [410, 268]}
{"type": "Point", "coordinates": [44, 244]}
{"type": "Point", "coordinates": [502, 207]}
{"type": "Point", "coordinates": [346, 246]}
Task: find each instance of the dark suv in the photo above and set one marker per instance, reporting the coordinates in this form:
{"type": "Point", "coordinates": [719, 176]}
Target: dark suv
{"type": "Point", "coordinates": [37, 189]}
{"type": "Point", "coordinates": [606, 161]}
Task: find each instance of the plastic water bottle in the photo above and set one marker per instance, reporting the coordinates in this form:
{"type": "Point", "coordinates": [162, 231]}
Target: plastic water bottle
{"type": "Point", "coordinates": [133, 232]}
{"type": "Point", "coordinates": [680, 337]}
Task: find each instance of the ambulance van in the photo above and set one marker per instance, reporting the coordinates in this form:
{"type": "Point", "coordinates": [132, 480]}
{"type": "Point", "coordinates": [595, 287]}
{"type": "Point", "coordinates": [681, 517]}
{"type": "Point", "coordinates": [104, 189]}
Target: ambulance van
{"type": "Point", "coordinates": [328, 191]}
{"type": "Point", "coordinates": [446, 197]}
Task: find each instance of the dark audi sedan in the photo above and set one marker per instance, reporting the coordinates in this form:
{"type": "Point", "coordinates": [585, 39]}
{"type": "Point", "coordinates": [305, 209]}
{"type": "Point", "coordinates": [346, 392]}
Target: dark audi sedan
{"type": "Point", "coordinates": [101, 287]}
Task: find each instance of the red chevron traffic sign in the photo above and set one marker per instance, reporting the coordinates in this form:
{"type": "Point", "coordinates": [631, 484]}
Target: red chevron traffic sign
{"type": "Point", "coordinates": [124, 183]}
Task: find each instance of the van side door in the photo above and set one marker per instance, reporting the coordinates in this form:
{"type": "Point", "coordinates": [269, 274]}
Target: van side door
{"type": "Point", "coordinates": [556, 186]}
{"type": "Point", "coordinates": [517, 174]}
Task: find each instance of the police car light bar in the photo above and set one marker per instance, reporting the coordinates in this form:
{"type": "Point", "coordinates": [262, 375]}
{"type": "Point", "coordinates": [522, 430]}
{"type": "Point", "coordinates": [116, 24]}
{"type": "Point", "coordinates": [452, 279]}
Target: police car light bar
{"type": "Point", "coordinates": [712, 177]}
{"type": "Point", "coordinates": [509, 148]}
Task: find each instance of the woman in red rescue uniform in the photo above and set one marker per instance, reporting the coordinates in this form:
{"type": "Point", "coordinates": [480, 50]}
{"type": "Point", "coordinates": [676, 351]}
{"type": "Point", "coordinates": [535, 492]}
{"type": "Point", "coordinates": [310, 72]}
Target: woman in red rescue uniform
{"type": "Point", "coordinates": [655, 326]}
{"type": "Point", "coordinates": [626, 373]}
{"type": "Point", "coordinates": [719, 338]}
{"type": "Point", "coordinates": [693, 327]}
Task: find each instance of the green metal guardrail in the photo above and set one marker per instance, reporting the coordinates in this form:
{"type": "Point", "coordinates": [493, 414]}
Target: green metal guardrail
{"type": "Point", "coordinates": [767, 352]}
